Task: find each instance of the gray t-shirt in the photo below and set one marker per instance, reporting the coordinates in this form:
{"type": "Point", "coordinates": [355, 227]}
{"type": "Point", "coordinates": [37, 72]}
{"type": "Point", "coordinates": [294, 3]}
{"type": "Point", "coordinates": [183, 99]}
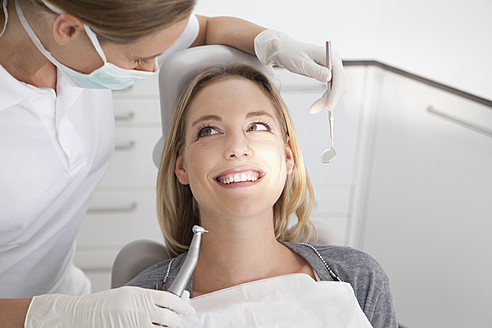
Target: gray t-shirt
{"type": "Point", "coordinates": [361, 271]}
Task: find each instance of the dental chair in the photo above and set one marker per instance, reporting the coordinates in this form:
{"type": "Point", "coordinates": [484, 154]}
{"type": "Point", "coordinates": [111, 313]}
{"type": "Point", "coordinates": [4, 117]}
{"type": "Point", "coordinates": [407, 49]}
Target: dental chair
{"type": "Point", "coordinates": [175, 73]}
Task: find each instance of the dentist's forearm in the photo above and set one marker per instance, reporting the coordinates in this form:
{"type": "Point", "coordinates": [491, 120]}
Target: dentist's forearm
{"type": "Point", "coordinates": [231, 31]}
{"type": "Point", "coordinates": [13, 312]}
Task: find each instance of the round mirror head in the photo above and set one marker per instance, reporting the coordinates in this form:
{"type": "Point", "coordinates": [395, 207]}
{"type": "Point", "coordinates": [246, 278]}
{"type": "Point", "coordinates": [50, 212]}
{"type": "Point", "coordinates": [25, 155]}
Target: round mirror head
{"type": "Point", "coordinates": [328, 155]}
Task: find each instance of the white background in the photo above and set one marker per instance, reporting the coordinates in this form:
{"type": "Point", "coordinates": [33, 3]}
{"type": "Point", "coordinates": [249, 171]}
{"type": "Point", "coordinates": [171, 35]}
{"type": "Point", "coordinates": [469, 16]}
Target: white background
{"type": "Point", "coordinates": [445, 40]}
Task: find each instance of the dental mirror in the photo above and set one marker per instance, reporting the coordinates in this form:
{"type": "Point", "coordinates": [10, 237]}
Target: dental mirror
{"type": "Point", "coordinates": [329, 154]}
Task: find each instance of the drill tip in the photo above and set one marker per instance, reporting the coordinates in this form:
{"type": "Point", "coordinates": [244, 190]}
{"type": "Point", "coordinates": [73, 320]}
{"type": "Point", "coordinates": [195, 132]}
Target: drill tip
{"type": "Point", "coordinates": [198, 229]}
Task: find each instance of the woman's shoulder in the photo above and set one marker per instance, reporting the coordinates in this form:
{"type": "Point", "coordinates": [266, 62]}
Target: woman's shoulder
{"type": "Point", "coordinates": [349, 264]}
{"type": "Point", "coordinates": [349, 259]}
{"type": "Point", "coordinates": [362, 271]}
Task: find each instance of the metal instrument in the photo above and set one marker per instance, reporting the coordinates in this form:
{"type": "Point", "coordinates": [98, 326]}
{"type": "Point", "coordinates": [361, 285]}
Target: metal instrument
{"type": "Point", "coordinates": [184, 274]}
{"type": "Point", "coordinates": [329, 154]}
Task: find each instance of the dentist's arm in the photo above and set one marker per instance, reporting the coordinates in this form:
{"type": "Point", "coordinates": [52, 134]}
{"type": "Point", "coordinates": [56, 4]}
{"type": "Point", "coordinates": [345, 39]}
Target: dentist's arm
{"type": "Point", "coordinates": [121, 307]}
{"type": "Point", "coordinates": [276, 48]}
{"type": "Point", "coordinates": [231, 31]}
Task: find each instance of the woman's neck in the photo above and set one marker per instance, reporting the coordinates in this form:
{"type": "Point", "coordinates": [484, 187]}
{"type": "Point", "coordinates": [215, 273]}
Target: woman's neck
{"type": "Point", "coordinates": [237, 251]}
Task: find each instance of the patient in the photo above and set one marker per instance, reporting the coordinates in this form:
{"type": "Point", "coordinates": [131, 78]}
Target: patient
{"type": "Point", "coordinates": [232, 164]}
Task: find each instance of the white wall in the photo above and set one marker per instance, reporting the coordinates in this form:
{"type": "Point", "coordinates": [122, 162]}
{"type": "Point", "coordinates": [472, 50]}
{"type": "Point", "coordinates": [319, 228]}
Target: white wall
{"type": "Point", "coordinates": [445, 40]}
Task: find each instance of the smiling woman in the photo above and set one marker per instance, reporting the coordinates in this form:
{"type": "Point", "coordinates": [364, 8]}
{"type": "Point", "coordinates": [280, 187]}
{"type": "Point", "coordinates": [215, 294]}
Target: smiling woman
{"type": "Point", "coordinates": [234, 115]}
{"type": "Point", "coordinates": [232, 164]}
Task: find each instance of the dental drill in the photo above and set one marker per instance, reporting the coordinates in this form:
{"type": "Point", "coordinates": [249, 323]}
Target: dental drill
{"type": "Point", "coordinates": [184, 274]}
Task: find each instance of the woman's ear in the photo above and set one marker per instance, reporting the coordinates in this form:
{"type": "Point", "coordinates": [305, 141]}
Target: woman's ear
{"type": "Point", "coordinates": [289, 157]}
{"type": "Point", "coordinates": [180, 171]}
{"type": "Point", "coordinates": [66, 28]}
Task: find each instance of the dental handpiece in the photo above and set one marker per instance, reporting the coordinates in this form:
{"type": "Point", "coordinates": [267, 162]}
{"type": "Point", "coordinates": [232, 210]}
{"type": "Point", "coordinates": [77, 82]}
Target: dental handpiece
{"type": "Point", "coordinates": [184, 274]}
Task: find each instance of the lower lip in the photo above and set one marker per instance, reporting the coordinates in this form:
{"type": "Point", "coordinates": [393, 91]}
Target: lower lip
{"type": "Point", "coordinates": [235, 185]}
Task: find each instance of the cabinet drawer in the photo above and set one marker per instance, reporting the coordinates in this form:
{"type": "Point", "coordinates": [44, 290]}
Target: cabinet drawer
{"type": "Point", "coordinates": [433, 111]}
{"type": "Point", "coordinates": [132, 164]}
{"type": "Point", "coordinates": [137, 111]}
{"type": "Point", "coordinates": [116, 218]}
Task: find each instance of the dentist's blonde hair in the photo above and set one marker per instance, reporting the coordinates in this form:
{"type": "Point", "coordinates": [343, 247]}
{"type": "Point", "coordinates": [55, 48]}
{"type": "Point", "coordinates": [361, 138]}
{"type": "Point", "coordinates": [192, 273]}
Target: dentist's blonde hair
{"type": "Point", "coordinates": [176, 207]}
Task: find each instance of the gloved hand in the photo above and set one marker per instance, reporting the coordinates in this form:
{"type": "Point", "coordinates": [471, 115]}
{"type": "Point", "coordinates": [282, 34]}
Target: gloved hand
{"type": "Point", "coordinates": [121, 307]}
{"type": "Point", "coordinates": [274, 47]}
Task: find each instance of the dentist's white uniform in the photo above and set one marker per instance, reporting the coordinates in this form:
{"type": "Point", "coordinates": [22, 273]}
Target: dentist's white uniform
{"type": "Point", "coordinates": [54, 150]}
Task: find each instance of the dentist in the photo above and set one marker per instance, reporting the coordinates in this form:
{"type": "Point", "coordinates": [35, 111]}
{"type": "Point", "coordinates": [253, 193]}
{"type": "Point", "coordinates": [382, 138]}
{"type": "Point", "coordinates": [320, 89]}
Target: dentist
{"type": "Point", "coordinates": [59, 59]}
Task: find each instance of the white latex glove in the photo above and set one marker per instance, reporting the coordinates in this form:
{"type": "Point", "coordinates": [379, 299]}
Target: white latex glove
{"type": "Point", "coordinates": [276, 48]}
{"type": "Point", "coordinates": [121, 307]}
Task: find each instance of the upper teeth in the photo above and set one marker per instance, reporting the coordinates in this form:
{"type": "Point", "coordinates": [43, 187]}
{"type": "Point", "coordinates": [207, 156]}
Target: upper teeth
{"type": "Point", "coordinates": [239, 177]}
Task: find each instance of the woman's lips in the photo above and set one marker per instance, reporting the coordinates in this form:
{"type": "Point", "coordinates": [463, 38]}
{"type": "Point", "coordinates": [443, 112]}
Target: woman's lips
{"type": "Point", "coordinates": [235, 176]}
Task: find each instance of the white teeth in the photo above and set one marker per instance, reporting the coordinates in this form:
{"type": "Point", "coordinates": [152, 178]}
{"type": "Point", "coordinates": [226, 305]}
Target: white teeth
{"type": "Point", "coordinates": [239, 177]}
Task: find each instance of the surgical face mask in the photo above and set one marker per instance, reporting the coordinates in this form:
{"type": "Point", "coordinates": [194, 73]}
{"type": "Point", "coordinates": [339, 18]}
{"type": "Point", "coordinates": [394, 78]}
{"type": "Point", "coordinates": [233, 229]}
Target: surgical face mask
{"type": "Point", "coordinates": [108, 76]}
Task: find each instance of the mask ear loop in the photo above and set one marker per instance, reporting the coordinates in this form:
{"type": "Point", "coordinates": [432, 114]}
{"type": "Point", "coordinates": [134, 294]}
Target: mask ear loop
{"type": "Point", "coordinates": [95, 42]}
{"type": "Point", "coordinates": [6, 14]}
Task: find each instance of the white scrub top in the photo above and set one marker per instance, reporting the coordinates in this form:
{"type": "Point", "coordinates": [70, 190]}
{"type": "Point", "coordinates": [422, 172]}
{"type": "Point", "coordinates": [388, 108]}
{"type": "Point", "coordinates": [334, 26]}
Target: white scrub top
{"type": "Point", "coordinates": [54, 150]}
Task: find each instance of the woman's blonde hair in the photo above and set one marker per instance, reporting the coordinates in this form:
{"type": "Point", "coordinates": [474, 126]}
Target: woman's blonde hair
{"type": "Point", "coordinates": [176, 207]}
{"type": "Point", "coordinates": [124, 21]}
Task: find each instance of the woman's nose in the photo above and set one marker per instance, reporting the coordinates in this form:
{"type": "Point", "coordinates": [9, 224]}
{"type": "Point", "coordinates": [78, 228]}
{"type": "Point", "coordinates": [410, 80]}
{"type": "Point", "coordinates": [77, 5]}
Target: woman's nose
{"type": "Point", "coordinates": [238, 147]}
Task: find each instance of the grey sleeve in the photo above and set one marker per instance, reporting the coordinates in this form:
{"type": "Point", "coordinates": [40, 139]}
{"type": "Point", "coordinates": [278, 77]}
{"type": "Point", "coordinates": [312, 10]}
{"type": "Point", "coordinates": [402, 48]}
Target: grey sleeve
{"type": "Point", "coordinates": [378, 302]}
{"type": "Point", "coordinates": [369, 281]}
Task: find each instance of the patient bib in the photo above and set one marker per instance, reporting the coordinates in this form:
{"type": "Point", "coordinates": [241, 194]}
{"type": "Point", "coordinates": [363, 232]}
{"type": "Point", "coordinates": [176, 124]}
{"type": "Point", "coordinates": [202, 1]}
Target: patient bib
{"type": "Point", "coordinates": [294, 300]}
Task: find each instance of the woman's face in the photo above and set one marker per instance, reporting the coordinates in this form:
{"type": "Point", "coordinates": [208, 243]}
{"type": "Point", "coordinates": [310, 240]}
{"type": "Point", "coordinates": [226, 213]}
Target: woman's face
{"type": "Point", "coordinates": [235, 158]}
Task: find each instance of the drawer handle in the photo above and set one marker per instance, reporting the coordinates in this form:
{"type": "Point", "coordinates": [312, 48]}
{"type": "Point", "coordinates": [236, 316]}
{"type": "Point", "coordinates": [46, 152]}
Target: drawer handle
{"type": "Point", "coordinates": [105, 210]}
{"type": "Point", "coordinates": [125, 147]}
{"type": "Point", "coordinates": [125, 117]}
{"type": "Point", "coordinates": [470, 126]}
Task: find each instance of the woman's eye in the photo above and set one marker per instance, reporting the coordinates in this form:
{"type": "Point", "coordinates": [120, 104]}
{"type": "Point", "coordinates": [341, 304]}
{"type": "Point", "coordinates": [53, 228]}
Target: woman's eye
{"type": "Point", "coordinates": [207, 131]}
{"type": "Point", "coordinates": [258, 127]}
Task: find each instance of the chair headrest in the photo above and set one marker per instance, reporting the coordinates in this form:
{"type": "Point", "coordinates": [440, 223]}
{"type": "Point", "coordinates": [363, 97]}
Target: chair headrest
{"type": "Point", "coordinates": [179, 69]}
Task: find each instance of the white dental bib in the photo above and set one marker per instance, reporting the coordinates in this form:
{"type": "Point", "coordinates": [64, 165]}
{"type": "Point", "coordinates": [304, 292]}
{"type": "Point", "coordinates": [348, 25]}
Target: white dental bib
{"type": "Point", "coordinates": [294, 300]}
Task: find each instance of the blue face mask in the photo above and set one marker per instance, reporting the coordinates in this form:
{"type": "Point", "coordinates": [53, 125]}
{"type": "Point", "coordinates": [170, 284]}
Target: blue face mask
{"type": "Point", "coordinates": [108, 76]}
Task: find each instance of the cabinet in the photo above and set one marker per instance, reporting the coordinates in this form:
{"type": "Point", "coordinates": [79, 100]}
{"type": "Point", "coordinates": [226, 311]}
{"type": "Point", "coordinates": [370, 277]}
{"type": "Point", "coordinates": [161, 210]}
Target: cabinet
{"type": "Point", "coordinates": [123, 207]}
{"type": "Point", "coordinates": [428, 202]}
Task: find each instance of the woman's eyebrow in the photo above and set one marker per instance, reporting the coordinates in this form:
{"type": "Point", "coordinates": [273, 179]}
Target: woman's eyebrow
{"type": "Point", "coordinates": [207, 118]}
{"type": "Point", "coordinates": [258, 113]}
{"type": "Point", "coordinates": [218, 118]}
